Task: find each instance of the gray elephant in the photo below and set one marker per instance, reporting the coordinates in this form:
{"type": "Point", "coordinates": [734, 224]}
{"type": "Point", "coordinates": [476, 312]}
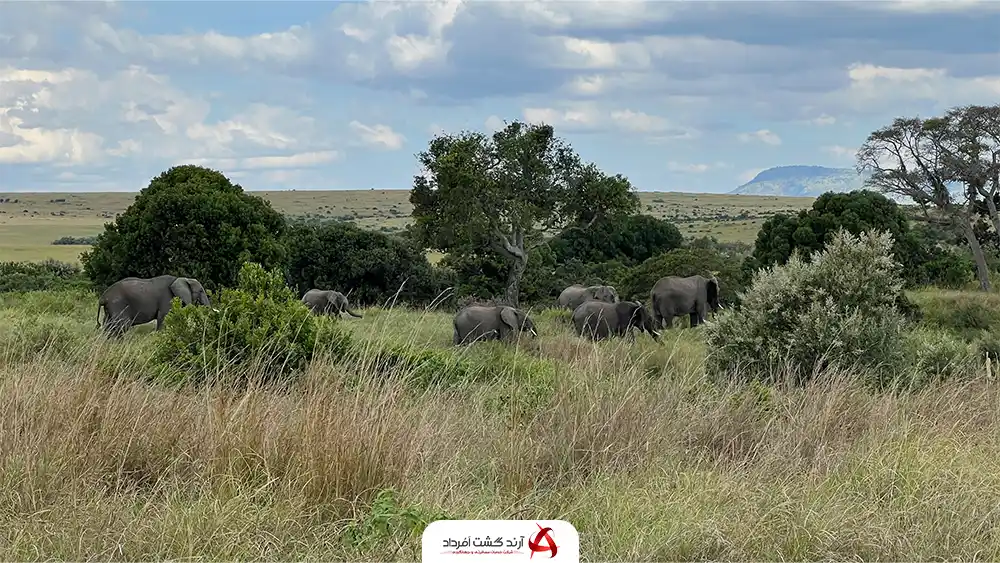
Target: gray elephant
{"type": "Point", "coordinates": [574, 295]}
{"type": "Point", "coordinates": [478, 322]}
{"type": "Point", "coordinates": [328, 301]}
{"type": "Point", "coordinates": [135, 301]}
{"type": "Point", "coordinates": [600, 320]}
{"type": "Point", "coordinates": [674, 296]}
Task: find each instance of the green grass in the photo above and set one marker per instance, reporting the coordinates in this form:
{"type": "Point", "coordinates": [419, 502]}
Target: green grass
{"type": "Point", "coordinates": [28, 227]}
{"type": "Point", "coordinates": [628, 442]}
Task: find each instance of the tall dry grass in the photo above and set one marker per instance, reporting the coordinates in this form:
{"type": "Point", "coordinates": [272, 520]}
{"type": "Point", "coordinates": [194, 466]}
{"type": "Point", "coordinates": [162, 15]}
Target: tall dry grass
{"type": "Point", "coordinates": [631, 444]}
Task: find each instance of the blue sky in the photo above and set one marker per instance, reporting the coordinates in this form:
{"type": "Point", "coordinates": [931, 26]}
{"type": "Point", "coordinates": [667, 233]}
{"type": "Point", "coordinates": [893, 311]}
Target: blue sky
{"type": "Point", "coordinates": [691, 96]}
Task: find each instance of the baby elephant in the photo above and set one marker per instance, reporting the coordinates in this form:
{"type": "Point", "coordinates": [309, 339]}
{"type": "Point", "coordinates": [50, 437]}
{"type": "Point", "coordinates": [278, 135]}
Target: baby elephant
{"type": "Point", "coordinates": [489, 323]}
{"type": "Point", "coordinates": [327, 301]}
{"type": "Point", "coordinates": [599, 320]}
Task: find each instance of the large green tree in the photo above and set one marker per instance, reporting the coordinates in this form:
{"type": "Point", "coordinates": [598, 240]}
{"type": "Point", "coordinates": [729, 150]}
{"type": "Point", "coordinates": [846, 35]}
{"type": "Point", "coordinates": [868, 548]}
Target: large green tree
{"type": "Point", "coordinates": [811, 229]}
{"type": "Point", "coordinates": [507, 191]}
{"type": "Point", "coordinates": [189, 221]}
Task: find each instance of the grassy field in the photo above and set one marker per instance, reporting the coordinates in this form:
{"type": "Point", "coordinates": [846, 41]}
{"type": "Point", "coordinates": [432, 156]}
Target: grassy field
{"type": "Point", "coordinates": [630, 443]}
{"type": "Point", "coordinates": [29, 222]}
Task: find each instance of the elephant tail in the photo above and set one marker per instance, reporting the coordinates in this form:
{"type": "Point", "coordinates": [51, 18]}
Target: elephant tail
{"type": "Point", "coordinates": [100, 304]}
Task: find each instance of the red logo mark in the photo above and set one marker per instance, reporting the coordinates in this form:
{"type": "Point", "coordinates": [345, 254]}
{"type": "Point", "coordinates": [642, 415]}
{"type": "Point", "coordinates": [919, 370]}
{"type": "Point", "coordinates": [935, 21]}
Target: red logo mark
{"type": "Point", "coordinates": [546, 534]}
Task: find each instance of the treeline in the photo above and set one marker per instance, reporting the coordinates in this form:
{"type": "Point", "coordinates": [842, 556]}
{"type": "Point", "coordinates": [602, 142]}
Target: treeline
{"type": "Point", "coordinates": [192, 221]}
{"type": "Point", "coordinates": [518, 216]}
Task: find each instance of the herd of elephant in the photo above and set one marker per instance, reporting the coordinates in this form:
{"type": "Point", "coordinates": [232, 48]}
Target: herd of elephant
{"type": "Point", "coordinates": [597, 310]}
{"type": "Point", "coordinates": [135, 301]}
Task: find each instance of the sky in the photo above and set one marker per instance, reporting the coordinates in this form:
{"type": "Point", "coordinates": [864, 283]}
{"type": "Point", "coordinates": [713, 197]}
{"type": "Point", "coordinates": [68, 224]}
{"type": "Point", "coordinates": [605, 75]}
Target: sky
{"type": "Point", "coordinates": [693, 96]}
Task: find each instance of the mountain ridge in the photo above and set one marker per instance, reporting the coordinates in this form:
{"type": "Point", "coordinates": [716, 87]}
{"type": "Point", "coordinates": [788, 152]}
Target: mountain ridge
{"type": "Point", "coordinates": [801, 180]}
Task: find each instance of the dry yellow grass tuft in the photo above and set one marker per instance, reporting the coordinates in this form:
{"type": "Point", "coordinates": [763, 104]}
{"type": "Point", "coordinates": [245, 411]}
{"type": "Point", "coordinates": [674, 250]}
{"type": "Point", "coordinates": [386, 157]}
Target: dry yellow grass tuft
{"type": "Point", "coordinates": [631, 444]}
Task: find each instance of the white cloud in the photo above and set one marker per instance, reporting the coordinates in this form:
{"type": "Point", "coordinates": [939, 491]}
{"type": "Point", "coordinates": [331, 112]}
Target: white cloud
{"type": "Point", "coordinates": [261, 125]}
{"type": "Point", "coordinates": [840, 151]}
{"type": "Point", "coordinates": [573, 52]}
{"type": "Point", "coordinates": [73, 117]}
{"type": "Point", "coordinates": [378, 135]}
{"type": "Point", "coordinates": [688, 168]}
{"type": "Point", "coordinates": [661, 128]}
{"type": "Point", "coordinates": [883, 88]}
{"type": "Point", "coordinates": [590, 117]}
{"type": "Point", "coordinates": [281, 47]}
{"type": "Point", "coordinates": [823, 119]}
{"type": "Point", "coordinates": [761, 135]}
{"type": "Point", "coordinates": [494, 123]}
{"type": "Point", "coordinates": [575, 116]}
{"type": "Point", "coordinates": [748, 175]}
{"type": "Point", "coordinates": [299, 160]}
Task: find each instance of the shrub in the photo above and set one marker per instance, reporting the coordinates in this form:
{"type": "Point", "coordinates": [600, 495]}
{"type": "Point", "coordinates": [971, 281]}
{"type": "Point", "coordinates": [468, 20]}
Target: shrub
{"type": "Point", "coordinates": [836, 311]}
{"type": "Point", "coordinates": [40, 276]}
{"type": "Point", "coordinates": [190, 221]}
{"type": "Point", "coordinates": [630, 239]}
{"type": "Point", "coordinates": [937, 356]}
{"type": "Point", "coordinates": [83, 241]}
{"type": "Point", "coordinates": [369, 264]}
{"type": "Point", "coordinates": [260, 327]}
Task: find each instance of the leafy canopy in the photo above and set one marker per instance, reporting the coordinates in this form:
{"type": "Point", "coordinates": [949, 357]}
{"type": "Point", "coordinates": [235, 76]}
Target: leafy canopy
{"type": "Point", "coordinates": [189, 221]}
{"type": "Point", "coordinates": [370, 265]}
{"type": "Point", "coordinates": [479, 191]}
{"type": "Point", "coordinates": [856, 212]}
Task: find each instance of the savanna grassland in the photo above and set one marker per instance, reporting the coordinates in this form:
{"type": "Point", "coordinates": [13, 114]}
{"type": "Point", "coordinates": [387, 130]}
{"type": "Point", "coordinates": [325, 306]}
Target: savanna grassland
{"type": "Point", "coordinates": [30, 222]}
{"type": "Point", "coordinates": [629, 442]}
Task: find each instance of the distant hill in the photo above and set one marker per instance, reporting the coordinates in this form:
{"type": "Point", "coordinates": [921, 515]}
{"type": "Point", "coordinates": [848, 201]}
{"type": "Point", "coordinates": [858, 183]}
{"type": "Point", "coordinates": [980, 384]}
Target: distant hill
{"type": "Point", "coordinates": [802, 181]}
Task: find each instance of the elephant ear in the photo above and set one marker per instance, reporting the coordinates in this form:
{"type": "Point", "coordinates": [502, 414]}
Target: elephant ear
{"type": "Point", "coordinates": [509, 317]}
{"type": "Point", "coordinates": [712, 290]}
{"type": "Point", "coordinates": [181, 288]}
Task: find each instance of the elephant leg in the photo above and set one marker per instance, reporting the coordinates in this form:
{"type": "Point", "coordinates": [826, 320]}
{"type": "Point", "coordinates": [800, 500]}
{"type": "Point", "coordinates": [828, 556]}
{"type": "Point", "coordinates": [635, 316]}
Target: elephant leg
{"type": "Point", "coordinates": [694, 319]}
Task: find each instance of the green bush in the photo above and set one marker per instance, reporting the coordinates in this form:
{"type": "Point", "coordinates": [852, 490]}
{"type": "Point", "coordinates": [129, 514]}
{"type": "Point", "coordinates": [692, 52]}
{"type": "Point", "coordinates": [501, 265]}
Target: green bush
{"type": "Point", "coordinates": [369, 264]}
{"type": "Point", "coordinates": [83, 241]}
{"type": "Point", "coordinates": [40, 276]}
{"type": "Point", "coordinates": [935, 356]}
{"type": "Point", "coordinates": [260, 328]}
{"type": "Point", "coordinates": [190, 221]}
{"type": "Point", "coordinates": [630, 239]}
{"type": "Point", "coordinates": [836, 311]}
{"type": "Point", "coordinates": [857, 211]}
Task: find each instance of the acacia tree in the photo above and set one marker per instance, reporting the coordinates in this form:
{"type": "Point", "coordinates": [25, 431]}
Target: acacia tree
{"type": "Point", "coordinates": [506, 192]}
{"type": "Point", "coordinates": [971, 152]}
{"type": "Point", "coordinates": [918, 159]}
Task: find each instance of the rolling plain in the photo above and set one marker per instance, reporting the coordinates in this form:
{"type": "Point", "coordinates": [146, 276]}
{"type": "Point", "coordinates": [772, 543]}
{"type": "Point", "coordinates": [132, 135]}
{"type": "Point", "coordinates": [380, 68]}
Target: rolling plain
{"type": "Point", "coordinates": [29, 222]}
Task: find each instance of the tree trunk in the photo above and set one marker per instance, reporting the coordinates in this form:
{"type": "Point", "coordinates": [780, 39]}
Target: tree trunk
{"type": "Point", "coordinates": [982, 271]}
{"type": "Point", "coordinates": [517, 267]}
{"type": "Point", "coordinates": [513, 249]}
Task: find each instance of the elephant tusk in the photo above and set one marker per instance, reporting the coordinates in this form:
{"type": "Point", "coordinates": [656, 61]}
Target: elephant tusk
{"type": "Point", "coordinates": [533, 333]}
{"type": "Point", "coordinates": [214, 309]}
